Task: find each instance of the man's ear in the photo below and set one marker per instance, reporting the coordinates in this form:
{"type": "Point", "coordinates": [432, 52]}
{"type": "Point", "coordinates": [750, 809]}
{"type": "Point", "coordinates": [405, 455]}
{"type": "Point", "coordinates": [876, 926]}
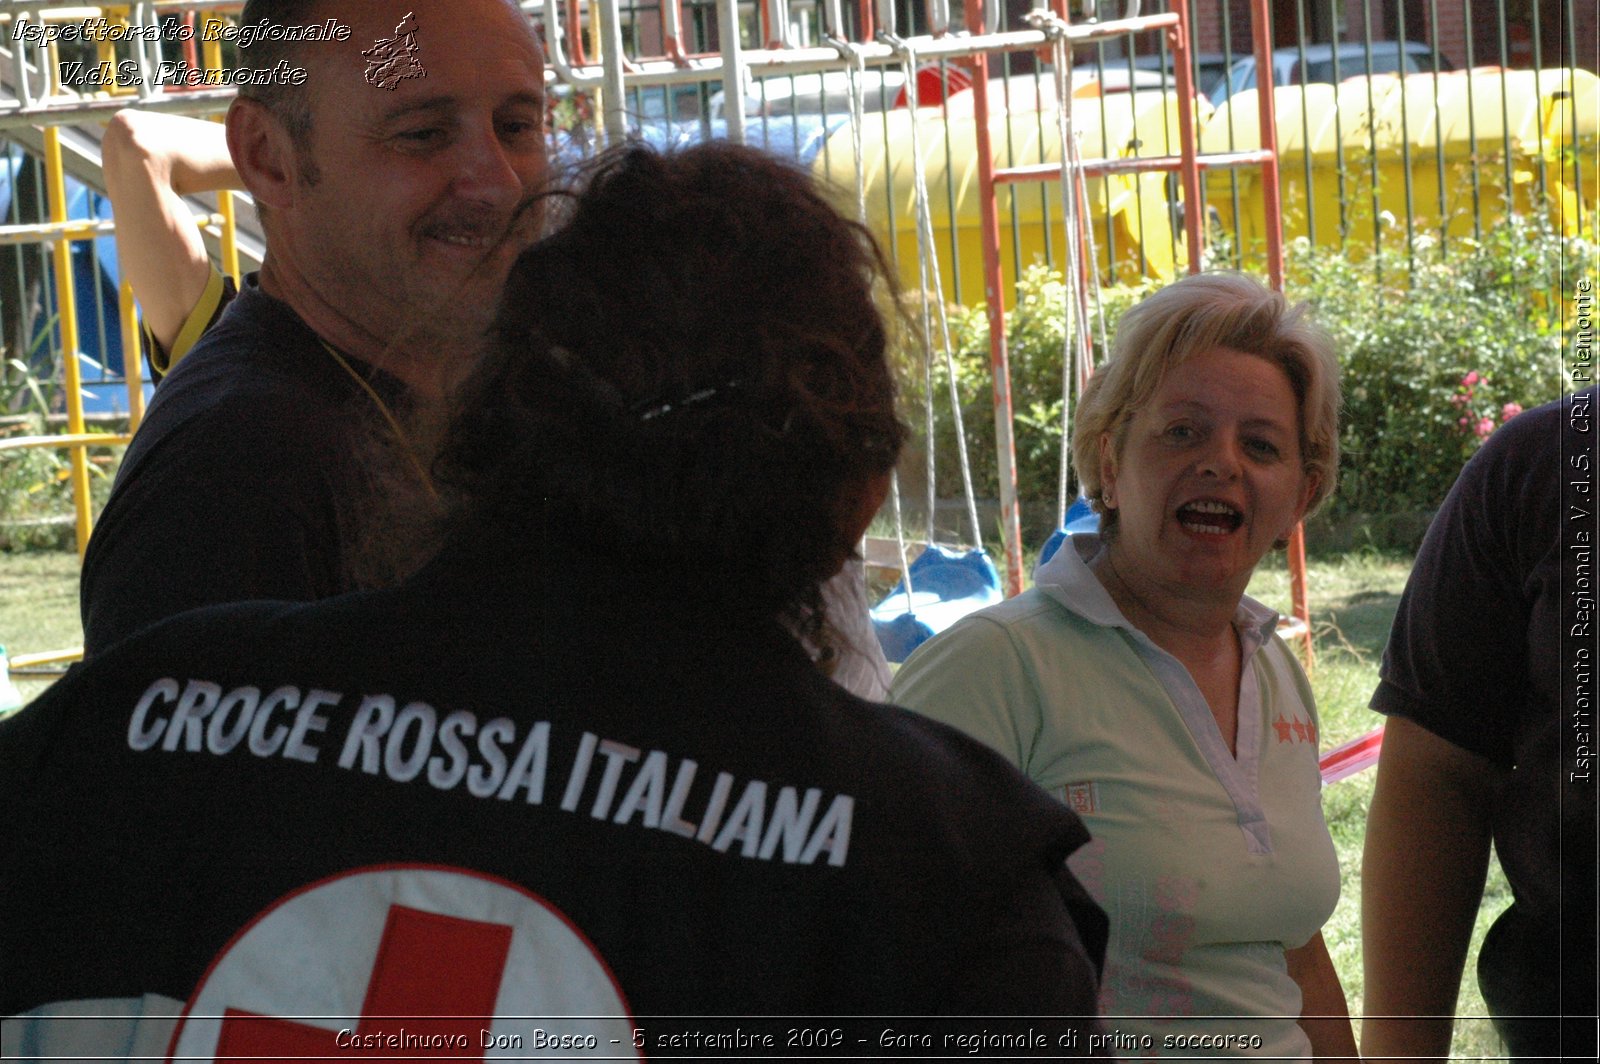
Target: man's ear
{"type": "Point", "coordinates": [263, 153]}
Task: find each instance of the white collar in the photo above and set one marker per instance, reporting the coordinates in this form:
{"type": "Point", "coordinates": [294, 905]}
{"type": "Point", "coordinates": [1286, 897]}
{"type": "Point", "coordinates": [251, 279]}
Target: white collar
{"type": "Point", "coordinates": [1067, 579]}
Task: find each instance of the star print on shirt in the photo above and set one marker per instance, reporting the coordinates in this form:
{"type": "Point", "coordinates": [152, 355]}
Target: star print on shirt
{"type": "Point", "coordinates": [1295, 731]}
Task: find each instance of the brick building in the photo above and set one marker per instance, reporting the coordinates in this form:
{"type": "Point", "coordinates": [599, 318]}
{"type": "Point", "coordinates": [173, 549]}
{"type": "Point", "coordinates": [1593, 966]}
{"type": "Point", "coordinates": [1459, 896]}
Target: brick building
{"type": "Point", "coordinates": [1467, 32]}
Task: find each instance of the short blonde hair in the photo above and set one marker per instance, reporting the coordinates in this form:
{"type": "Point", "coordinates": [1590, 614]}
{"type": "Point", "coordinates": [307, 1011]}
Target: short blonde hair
{"type": "Point", "coordinates": [1197, 314]}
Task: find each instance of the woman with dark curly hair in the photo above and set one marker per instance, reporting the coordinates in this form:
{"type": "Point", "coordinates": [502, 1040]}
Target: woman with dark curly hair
{"type": "Point", "coordinates": [580, 764]}
{"type": "Point", "coordinates": [716, 394]}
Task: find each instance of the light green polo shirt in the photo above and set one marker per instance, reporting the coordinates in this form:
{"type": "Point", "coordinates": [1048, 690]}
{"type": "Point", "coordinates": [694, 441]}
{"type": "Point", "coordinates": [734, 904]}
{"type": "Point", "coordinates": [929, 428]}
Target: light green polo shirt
{"type": "Point", "coordinates": [1208, 866]}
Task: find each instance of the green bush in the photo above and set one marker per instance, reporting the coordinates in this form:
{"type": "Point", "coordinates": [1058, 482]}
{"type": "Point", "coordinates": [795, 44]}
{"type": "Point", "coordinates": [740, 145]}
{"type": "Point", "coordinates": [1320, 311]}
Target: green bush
{"type": "Point", "coordinates": [36, 503]}
{"type": "Point", "coordinates": [30, 494]}
{"type": "Point", "coordinates": [1035, 334]}
{"type": "Point", "coordinates": [1436, 352]}
{"type": "Point", "coordinates": [36, 506]}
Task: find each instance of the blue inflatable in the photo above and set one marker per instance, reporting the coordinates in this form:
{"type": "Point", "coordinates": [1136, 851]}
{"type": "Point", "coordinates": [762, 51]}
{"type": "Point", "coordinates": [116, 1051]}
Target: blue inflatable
{"type": "Point", "coordinates": [946, 585]}
{"type": "Point", "coordinates": [1080, 518]}
{"type": "Point", "coordinates": [95, 279]}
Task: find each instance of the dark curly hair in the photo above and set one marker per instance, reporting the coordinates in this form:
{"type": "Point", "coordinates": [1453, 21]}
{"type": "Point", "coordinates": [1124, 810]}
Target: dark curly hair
{"type": "Point", "coordinates": [691, 369]}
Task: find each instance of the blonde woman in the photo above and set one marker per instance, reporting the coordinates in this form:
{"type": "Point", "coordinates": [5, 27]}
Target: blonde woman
{"type": "Point", "coordinates": [1139, 684]}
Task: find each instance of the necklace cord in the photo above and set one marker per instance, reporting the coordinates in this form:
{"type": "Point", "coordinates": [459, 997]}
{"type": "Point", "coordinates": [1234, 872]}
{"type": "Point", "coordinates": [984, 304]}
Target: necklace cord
{"type": "Point", "coordinates": [388, 415]}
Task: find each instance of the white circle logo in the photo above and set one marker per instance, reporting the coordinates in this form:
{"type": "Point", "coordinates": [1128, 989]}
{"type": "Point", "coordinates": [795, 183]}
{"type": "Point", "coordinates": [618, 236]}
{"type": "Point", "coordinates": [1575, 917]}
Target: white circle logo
{"type": "Point", "coordinates": [407, 960]}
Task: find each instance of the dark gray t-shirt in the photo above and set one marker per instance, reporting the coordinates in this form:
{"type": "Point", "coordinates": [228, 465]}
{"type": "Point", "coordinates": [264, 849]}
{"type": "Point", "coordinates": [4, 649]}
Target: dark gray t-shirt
{"type": "Point", "coordinates": [1480, 655]}
{"type": "Point", "coordinates": [728, 831]}
{"type": "Point", "coordinates": [241, 481]}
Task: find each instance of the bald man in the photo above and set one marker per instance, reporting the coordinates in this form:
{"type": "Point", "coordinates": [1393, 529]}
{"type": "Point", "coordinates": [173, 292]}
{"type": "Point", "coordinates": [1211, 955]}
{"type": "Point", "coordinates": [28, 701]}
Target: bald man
{"type": "Point", "coordinates": [391, 165]}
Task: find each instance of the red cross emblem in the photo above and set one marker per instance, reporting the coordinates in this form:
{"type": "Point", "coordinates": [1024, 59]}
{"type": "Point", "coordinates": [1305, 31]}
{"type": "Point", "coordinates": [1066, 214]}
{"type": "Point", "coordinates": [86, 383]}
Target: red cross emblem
{"type": "Point", "coordinates": [401, 961]}
{"type": "Point", "coordinates": [441, 967]}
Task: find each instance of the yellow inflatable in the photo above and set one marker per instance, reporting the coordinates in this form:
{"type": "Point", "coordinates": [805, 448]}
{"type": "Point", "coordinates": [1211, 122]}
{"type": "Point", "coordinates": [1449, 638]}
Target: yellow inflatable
{"type": "Point", "coordinates": [1133, 225]}
{"type": "Point", "coordinates": [1448, 151]}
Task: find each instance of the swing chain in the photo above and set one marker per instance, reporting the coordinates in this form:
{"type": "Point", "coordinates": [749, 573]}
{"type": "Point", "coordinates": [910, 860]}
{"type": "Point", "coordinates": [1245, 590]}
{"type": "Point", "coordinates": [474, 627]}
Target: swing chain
{"type": "Point", "coordinates": [933, 300]}
{"type": "Point", "coordinates": [855, 58]}
{"type": "Point", "coordinates": [1082, 256]}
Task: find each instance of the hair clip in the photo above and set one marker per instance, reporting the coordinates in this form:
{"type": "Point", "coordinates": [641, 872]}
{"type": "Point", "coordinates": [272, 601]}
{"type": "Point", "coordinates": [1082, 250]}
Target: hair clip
{"type": "Point", "coordinates": [653, 410]}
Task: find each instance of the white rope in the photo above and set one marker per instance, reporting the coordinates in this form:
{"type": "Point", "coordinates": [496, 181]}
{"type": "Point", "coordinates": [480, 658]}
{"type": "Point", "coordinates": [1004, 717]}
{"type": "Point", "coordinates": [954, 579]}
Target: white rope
{"type": "Point", "coordinates": [855, 74]}
{"type": "Point", "coordinates": [1076, 346]}
{"type": "Point", "coordinates": [933, 305]}
{"type": "Point", "coordinates": [856, 71]}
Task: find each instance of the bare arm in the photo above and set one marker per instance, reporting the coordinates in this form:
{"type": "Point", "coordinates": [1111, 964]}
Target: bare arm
{"type": "Point", "coordinates": [1426, 853]}
{"type": "Point", "coordinates": [1322, 997]}
{"type": "Point", "coordinates": [150, 161]}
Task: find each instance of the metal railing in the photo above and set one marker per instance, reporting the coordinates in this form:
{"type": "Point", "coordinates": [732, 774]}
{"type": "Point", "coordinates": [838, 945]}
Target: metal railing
{"type": "Point", "coordinates": [670, 71]}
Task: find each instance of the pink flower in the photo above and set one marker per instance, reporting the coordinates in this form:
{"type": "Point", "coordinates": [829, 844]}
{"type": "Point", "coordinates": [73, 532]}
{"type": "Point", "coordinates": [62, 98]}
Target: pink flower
{"type": "Point", "coordinates": [1509, 411]}
{"type": "Point", "coordinates": [1460, 399]}
{"type": "Point", "coordinates": [1465, 422]}
{"type": "Point", "coordinates": [1470, 379]}
{"type": "Point", "coordinates": [1484, 427]}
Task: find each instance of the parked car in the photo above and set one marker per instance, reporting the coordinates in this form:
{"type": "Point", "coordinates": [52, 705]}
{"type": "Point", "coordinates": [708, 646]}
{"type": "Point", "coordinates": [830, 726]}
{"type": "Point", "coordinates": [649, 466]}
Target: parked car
{"type": "Point", "coordinates": [1318, 65]}
{"type": "Point", "coordinates": [1113, 77]}
{"type": "Point", "coordinates": [815, 94]}
{"type": "Point", "coordinates": [1209, 68]}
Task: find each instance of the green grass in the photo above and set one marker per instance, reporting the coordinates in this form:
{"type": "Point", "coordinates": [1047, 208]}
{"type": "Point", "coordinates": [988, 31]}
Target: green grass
{"type": "Point", "coordinates": [1353, 600]}
{"type": "Point", "coordinates": [38, 606]}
